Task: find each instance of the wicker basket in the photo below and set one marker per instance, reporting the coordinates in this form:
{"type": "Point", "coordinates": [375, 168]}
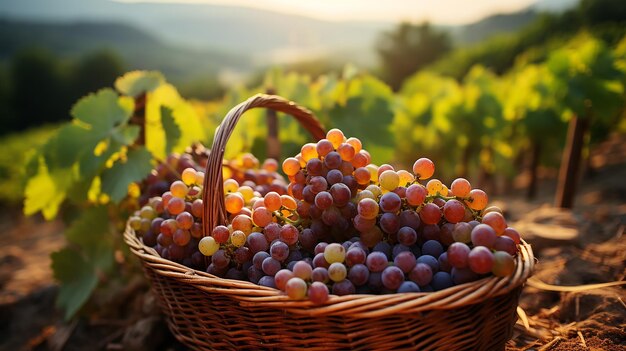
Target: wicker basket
{"type": "Point", "coordinates": [212, 313]}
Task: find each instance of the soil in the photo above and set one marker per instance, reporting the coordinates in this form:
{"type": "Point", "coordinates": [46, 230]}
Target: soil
{"type": "Point", "coordinates": [573, 248]}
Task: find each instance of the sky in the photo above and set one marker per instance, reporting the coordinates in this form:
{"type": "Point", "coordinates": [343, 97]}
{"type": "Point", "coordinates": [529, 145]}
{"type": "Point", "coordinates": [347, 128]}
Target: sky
{"type": "Point", "coordinates": [436, 11]}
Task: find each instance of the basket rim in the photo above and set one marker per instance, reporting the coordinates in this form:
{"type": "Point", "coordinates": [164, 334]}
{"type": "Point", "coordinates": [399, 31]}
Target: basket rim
{"type": "Point", "coordinates": [354, 305]}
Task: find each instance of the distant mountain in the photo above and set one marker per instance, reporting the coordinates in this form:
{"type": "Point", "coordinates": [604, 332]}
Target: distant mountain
{"type": "Point", "coordinates": [554, 5]}
{"type": "Point", "coordinates": [136, 47]}
{"type": "Point", "coordinates": [492, 25]}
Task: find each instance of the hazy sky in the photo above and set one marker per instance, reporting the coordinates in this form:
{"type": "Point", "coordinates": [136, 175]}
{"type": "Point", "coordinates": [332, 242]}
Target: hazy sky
{"type": "Point", "coordinates": [437, 11]}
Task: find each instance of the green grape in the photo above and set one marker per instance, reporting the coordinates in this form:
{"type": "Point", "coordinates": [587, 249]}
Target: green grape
{"type": "Point", "coordinates": [503, 264]}
{"type": "Point", "coordinates": [208, 246]}
{"type": "Point", "coordinates": [337, 272]}
{"type": "Point", "coordinates": [334, 253]}
{"type": "Point", "coordinates": [238, 238]}
{"type": "Point", "coordinates": [389, 180]}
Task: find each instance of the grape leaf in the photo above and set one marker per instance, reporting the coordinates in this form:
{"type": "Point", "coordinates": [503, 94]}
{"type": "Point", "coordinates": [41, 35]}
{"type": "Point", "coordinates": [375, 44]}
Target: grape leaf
{"type": "Point", "coordinates": [172, 130]}
{"type": "Point", "coordinates": [138, 82]}
{"type": "Point", "coordinates": [77, 278]}
{"type": "Point", "coordinates": [46, 191]}
{"type": "Point", "coordinates": [102, 111]}
{"type": "Point", "coordinates": [115, 180]}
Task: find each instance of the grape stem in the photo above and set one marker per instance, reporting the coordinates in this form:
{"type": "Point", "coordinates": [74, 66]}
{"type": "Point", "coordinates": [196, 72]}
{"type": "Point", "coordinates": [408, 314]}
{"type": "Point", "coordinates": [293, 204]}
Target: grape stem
{"type": "Point", "coordinates": [296, 223]}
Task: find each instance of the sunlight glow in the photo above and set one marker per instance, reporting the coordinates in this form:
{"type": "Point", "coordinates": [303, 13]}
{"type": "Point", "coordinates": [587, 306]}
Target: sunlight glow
{"type": "Point", "coordinates": [437, 11]}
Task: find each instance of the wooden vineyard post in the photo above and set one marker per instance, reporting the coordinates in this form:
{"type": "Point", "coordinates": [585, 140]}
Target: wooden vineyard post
{"type": "Point", "coordinates": [273, 144]}
{"type": "Point", "coordinates": [570, 163]}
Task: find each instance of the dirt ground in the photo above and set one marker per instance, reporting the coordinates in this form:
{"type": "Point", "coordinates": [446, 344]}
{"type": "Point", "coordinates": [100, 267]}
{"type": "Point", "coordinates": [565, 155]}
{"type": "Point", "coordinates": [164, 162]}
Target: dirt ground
{"type": "Point", "coordinates": [573, 248]}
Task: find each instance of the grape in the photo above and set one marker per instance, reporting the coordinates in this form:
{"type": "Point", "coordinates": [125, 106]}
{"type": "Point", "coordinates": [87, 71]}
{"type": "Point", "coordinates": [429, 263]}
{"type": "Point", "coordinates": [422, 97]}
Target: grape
{"type": "Point", "coordinates": [176, 206]}
{"type": "Point", "coordinates": [462, 232]}
{"type": "Point", "coordinates": [288, 234]}
{"type": "Point", "coordinates": [430, 261]}
{"type": "Point", "coordinates": [392, 277]}
{"type": "Point", "coordinates": [430, 232]}
{"type": "Point", "coordinates": [423, 168]}
{"type": "Point", "coordinates": [390, 202]}
{"type": "Point", "coordinates": [334, 176]}
{"type": "Point", "coordinates": [334, 253]}
{"type": "Point", "coordinates": [271, 232]}
{"type": "Point", "coordinates": [242, 223]}
{"type": "Point", "coordinates": [389, 223]}
{"type": "Point", "coordinates": [430, 214]}
{"type": "Point", "coordinates": [261, 216]}
{"type": "Point", "coordinates": [477, 199]}
{"type": "Point", "coordinates": [383, 247]}
{"type": "Point", "coordinates": [503, 264]}
{"type": "Point", "coordinates": [434, 187]}
{"type": "Point", "coordinates": [359, 274]}
{"type": "Point", "coordinates": [361, 224]}
{"type": "Point", "coordinates": [307, 239]}
{"type": "Point", "coordinates": [279, 251]}
{"type": "Point", "coordinates": [341, 194]}
{"type": "Point", "coordinates": [197, 208]}
{"type": "Point", "coordinates": [270, 266]}
{"type": "Point", "coordinates": [335, 136]}
{"type": "Point", "coordinates": [416, 194]}
{"type": "Point", "coordinates": [247, 192]}
{"type": "Point", "coordinates": [320, 274]}
{"type": "Point", "coordinates": [432, 248]}
{"type": "Point", "coordinates": [323, 147]}
{"type": "Point", "coordinates": [480, 260]}
{"type": "Point", "coordinates": [463, 275]}
{"type": "Point", "coordinates": [389, 179]}
{"type": "Point", "coordinates": [337, 272]}
{"type": "Point", "coordinates": [257, 259]}
{"type": "Point", "coordinates": [302, 270]}
{"type": "Point", "coordinates": [355, 255]}
{"type": "Point", "coordinates": [332, 160]}
{"type": "Point", "coordinates": [220, 259]}
{"type": "Point", "coordinates": [272, 201]}
{"type": "Point", "coordinates": [308, 152]}
{"type": "Point", "coordinates": [318, 184]}
{"type": "Point", "coordinates": [458, 254]}
{"type": "Point", "coordinates": [362, 176]}
{"type": "Point", "coordinates": [291, 166]}
{"type": "Point", "coordinates": [230, 186]}
{"type": "Point", "coordinates": [179, 189]}
{"type": "Point", "coordinates": [483, 235]}
{"type": "Point", "coordinates": [513, 234]}
{"type": "Point", "coordinates": [238, 238]}
{"type": "Point", "coordinates": [320, 261]}
{"type": "Point", "coordinates": [375, 281]}
{"type": "Point", "coordinates": [318, 293]}
{"type": "Point", "coordinates": [444, 264]}
{"type": "Point", "coordinates": [267, 281]}
{"type": "Point", "coordinates": [344, 287]}
{"type": "Point", "coordinates": [257, 242]}
{"type": "Point", "coordinates": [376, 261]}
{"type": "Point", "coordinates": [368, 208]}
{"type": "Point", "coordinates": [346, 151]}
{"type": "Point", "coordinates": [242, 255]}
{"type": "Point", "coordinates": [255, 274]}
{"type": "Point", "coordinates": [181, 237]}
{"type": "Point", "coordinates": [441, 280]}
{"type": "Point", "coordinates": [399, 248]}
{"type": "Point", "coordinates": [408, 286]}
{"type": "Point", "coordinates": [359, 160]}
{"type": "Point", "coordinates": [372, 236]}
{"type": "Point", "coordinates": [407, 236]}
{"type": "Point", "coordinates": [332, 217]}
{"type": "Point", "coordinates": [453, 211]}
{"type": "Point", "coordinates": [323, 200]}
{"type": "Point", "coordinates": [234, 202]}
{"type": "Point", "coordinates": [506, 244]}
{"type": "Point", "coordinates": [320, 247]}
{"type": "Point", "coordinates": [496, 221]}
{"type": "Point", "coordinates": [461, 187]}
{"type": "Point", "coordinates": [314, 167]}
{"type": "Point", "coordinates": [189, 176]}
{"type": "Point", "coordinates": [492, 209]}
{"type": "Point", "coordinates": [409, 218]}
{"type": "Point", "coordinates": [208, 246]}
{"type": "Point", "coordinates": [405, 261]}
{"type": "Point", "coordinates": [445, 234]}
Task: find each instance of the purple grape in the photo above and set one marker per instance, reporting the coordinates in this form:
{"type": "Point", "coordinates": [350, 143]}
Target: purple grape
{"type": "Point", "coordinates": [359, 274]}
{"type": "Point", "coordinates": [258, 258]}
{"type": "Point", "coordinates": [267, 281]}
{"type": "Point", "coordinates": [383, 247]}
{"type": "Point", "coordinates": [506, 244]}
{"type": "Point", "coordinates": [320, 274]}
{"type": "Point", "coordinates": [318, 292]}
{"type": "Point", "coordinates": [376, 261]}
{"type": "Point", "coordinates": [421, 274]}
{"type": "Point", "coordinates": [483, 235]}
{"type": "Point", "coordinates": [279, 251]}
{"type": "Point", "coordinates": [392, 277]}
{"type": "Point", "coordinates": [463, 275]}
{"type": "Point", "coordinates": [408, 286]}
{"type": "Point", "coordinates": [409, 218]}
{"type": "Point", "coordinates": [234, 274]}
{"type": "Point", "coordinates": [405, 261]}
{"type": "Point", "coordinates": [390, 202]}
{"type": "Point", "coordinates": [432, 248]}
{"type": "Point", "coordinates": [441, 280]}
{"type": "Point", "coordinates": [341, 194]}
{"type": "Point", "coordinates": [270, 266]}
{"type": "Point", "coordinates": [344, 287]}
{"type": "Point", "coordinates": [320, 247]}
{"type": "Point", "coordinates": [457, 255]}
{"type": "Point", "coordinates": [444, 265]}
{"type": "Point", "coordinates": [254, 274]}
{"type": "Point", "coordinates": [389, 223]}
{"type": "Point", "coordinates": [407, 236]}
{"type": "Point", "coordinates": [355, 255]}
{"type": "Point", "coordinates": [320, 261]}
{"type": "Point", "coordinates": [429, 260]}
{"type": "Point", "coordinates": [397, 249]}
{"type": "Point", "coordinates": [375, 282]}
{"type": "Point", "coordinates": [334, 176]}
{"type": "Point", "coordinates": [257, 242]}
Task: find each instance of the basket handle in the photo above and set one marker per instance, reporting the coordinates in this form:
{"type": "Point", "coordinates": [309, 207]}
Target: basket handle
{"type": "Point", "coordinates": [213, 188]}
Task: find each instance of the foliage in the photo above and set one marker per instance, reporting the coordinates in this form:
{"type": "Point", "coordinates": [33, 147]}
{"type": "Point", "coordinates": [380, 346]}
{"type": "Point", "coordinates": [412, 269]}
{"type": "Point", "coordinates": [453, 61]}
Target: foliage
{"type": "Point", "coordinates": [408, 48]}
{"type": "Point", "coordinates": [88, 165]}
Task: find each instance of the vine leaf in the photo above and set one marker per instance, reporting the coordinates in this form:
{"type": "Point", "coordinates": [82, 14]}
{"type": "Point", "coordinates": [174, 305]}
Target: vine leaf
{"type": "Point", "coordinates": [138, 82]}
{"type": "Point", "coordinates": [46, 191]}
{"type": "Point", "coordinates": [77, 279]}
{"type": "Point", "coordinates": [115, 180]}
{"type": "Point", "coordinates": [172, 130]}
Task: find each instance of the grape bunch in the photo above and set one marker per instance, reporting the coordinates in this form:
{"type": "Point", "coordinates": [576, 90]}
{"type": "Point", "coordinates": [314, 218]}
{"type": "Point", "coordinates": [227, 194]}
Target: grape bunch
{"type": "Point", "coordinates": [340, 225]}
